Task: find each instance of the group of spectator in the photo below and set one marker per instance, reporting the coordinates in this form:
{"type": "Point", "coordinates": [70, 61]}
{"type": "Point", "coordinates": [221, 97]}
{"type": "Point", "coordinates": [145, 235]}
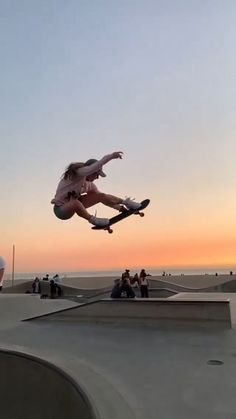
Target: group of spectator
{"type": "Point", "coordinates": [54, 285]}
{"type": "Point", "coordinates": [125, 286]}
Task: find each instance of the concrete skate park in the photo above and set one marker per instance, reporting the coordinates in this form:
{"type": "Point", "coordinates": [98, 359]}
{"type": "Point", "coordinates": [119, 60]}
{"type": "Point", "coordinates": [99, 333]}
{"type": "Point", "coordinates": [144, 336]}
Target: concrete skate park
{"type": "Point", "coordinates": [88, 356]}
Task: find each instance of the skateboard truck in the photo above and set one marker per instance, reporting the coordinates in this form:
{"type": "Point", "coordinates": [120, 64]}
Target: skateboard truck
{"type": "Point", "coordinates": [141, 214]}
{"type": "Point", "coordinates": [123, 209]}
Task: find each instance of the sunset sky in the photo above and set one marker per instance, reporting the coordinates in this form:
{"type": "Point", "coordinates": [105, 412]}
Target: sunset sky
{"type": "Point", "coordinates": [152, 78]}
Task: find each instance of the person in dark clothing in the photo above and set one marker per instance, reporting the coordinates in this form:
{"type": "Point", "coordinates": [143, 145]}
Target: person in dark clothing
{"type": "Point", "coordinates": [116, 290]}
{"type": "Point", "coordinates": [129, 291]}
{"type": "Point", "coordinates": [126, 287]}
{"type": "Point", "coordinates": [53, 288]}
{"type": "Point", "coordinates": [126, 275]}
{"type": "Point", "coordinates": [122, 287]}
{"type": "Point", "coordinates": [58, 285]}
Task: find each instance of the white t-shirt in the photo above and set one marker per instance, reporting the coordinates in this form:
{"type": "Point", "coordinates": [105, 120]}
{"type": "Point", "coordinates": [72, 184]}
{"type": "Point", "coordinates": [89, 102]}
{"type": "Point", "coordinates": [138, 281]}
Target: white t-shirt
{"type": "Point", "coordinates": [2, 263]}
{"type": "Point", "coordinates": [79, 185]}
{"type": "Point", "coordinates": [57, 279]}
{"type": "Point", "coordinates": [143, 281]}
{"type": "Point", "coordinates": [2, 266]}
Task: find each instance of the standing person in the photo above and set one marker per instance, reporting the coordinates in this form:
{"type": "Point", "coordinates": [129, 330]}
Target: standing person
{"type": "Point", "coordinates": [2, 270]}
{"type": "Point", "coordinates": [126, 275]}
{"type": "Point", "coordinates": [36, 286]}
{"type": "Point", "coordinates": [126, 285]}
{"type": "Point", "coordinates": [53, 288]}
{"type": "Point", "coordinates": [58, 284]}
{"type": "Point", "coordinates": [76, 191]}
{"type": "Point", "coordinates": [45, 286]}
{"type": "Point", "coordinates": [135, 280]}
{"type": "Point", "coordinates": [144, 284]}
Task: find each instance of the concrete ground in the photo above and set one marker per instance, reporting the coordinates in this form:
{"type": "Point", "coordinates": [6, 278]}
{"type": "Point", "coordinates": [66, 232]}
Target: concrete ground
{"type": "Point", "coordinates": [127, 371]}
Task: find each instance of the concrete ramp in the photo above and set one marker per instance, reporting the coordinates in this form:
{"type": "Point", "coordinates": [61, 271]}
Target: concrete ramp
{"type": "Point", "coordinates": [150, 312]}
{"type": "Point", "coordinates": [196, 283]}
{"type": "Point", "coordinates": [32, 388]}
{"type": "Point", "coordinates": [17, 307]}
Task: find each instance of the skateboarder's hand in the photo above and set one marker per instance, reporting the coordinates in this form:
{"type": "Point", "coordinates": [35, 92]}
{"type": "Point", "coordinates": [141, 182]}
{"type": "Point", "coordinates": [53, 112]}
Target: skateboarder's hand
{"type": "Point", "coordinates": [117, 155]}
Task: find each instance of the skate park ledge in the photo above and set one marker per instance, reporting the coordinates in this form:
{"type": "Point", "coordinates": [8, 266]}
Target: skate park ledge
{"type": "Point", "coordinates": [202, 312]}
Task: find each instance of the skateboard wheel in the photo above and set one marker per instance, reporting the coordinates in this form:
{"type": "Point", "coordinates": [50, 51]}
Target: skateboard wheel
{"type": "Point", "coordinates": [141, 214]}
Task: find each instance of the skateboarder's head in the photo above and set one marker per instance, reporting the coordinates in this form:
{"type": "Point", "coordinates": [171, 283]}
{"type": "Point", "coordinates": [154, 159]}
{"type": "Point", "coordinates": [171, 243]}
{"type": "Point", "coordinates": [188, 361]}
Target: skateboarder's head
{"type": "Point", "coordinates": [91, 161]}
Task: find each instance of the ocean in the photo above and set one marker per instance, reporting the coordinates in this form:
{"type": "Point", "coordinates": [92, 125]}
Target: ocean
{"type": "Point", "coordinates": [116, 272]}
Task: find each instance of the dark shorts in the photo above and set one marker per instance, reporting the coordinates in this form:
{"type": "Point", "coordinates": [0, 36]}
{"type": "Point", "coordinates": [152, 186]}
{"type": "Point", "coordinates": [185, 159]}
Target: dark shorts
{"type": "Point", "coordinates": [59, 213]}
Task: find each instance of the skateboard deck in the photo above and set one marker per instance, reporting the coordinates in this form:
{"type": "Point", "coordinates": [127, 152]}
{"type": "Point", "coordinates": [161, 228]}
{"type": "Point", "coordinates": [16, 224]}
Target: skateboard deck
{"type": "Point", "coordinates": [124, 214]}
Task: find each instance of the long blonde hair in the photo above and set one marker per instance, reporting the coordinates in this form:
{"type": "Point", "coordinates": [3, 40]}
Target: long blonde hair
{"type": "Point", "coordinates": [71, 171]}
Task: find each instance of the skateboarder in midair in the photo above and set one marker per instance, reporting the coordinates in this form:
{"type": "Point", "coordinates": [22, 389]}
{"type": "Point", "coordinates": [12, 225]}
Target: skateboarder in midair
{"type": "Point", "coordinates": [76, 191]}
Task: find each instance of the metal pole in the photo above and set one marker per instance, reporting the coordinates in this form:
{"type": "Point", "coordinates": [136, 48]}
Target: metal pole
{"type": "Point", "coordinates": [13, 266]}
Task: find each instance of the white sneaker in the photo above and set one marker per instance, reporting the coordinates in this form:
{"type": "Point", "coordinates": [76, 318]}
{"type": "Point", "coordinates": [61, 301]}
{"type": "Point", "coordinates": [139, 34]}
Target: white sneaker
{"type": "Point", "coordinates": [131, 204]}
{"type": "Point", "coordinates": [99, 222]}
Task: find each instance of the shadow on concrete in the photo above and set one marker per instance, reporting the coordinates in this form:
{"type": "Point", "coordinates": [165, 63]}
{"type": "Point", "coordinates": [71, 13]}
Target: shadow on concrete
{"type": "Point", "coordinates": [33, 388]}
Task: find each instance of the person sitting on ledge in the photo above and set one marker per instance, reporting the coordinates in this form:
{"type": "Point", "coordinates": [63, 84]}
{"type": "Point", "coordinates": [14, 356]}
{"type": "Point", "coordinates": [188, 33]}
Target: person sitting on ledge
{"type": "Point", "coordinates": [116, 290]}
{"type": "Point", "coordinates": [126, 288]}
{"type": "Point", "coordinates": [134, 282]}
{"type": "Point", "coordinates": [122, 287]}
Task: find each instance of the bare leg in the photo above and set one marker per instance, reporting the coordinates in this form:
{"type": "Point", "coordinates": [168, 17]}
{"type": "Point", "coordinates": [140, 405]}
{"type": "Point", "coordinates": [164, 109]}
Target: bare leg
{"type": "Point", "coordinates": [74, 206]}
{"type": "Point", "coordinates": [94, 198]}
{"type": "Point", "coordinates": [78, 206]}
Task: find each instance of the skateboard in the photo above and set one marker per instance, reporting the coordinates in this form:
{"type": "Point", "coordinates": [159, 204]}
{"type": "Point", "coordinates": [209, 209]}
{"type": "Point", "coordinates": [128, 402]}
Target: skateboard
{"type": "Point", "coordinates": [124, 214]}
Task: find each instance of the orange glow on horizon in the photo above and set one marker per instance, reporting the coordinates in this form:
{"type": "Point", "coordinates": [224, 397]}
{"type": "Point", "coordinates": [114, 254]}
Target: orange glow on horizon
{"type": "Point", "coordinates": [104, 257]}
